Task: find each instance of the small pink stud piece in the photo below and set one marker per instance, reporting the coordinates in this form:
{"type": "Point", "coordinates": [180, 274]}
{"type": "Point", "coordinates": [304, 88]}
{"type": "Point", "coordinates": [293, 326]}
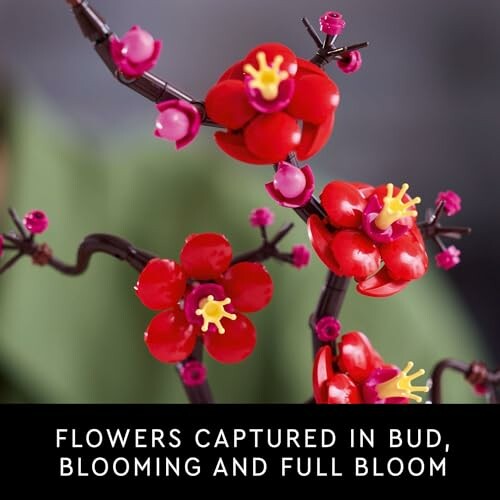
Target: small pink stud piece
{"type": "Point", "coordinates": [448, 258]}
{"type": "Point", "coordinates": [1, 245]}
{"type": "Point", "coordinates": [261, 217]}
{"type": "Point", "coordinates": [292, 187]}
{"type": "Point", "coordinates": [300, 256]}
{"type": "Point", "coordinates": [328, 328]}
{"type": "Point", "coordinates": [351, 63]}
{"type": "Point", "coordinates": [193, 373]}
{"type": "Point", "coordinates": [452, 202]}
{"type": "Point", "coordinates": [480, 389]}
{"type": "Point", "coordinates": [136, 53]}
{"type": "Point", "coordinates": [36, 221]}
{"type": "Point", "coordinates": [332, 23]}
{"type": "Point", "coordinates": [178, 121]}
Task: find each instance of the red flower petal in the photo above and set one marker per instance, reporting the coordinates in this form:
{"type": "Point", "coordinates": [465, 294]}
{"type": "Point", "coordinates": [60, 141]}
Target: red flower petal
{"type": "Point", "coordinates": [314, 137]}
{"type": "Point", "coordinates": [322, 373]}
{"type": "Point", "coordinates": [236, 344]}
{"type": "Point", "coordinates": [357, 357]}
{"type": "Point", "coordinates": [315, 98]}
{"type": "Point", "coordinates": [233, 145]}
{"type": "Point", "coordinates": [320, 238]}
{"type": "Point", "coordinates": [366, 190]}
{"type": "Point", "coordinates": [235, 72]}
{"type": "Point", "coordinates": [405, 258]}
{"type": "Point", "coordinates": [342, 390]}
{"type": "Point", "coordinates": [161, 284]}
{"type": "Point", "coordinates": [307, 67]}
{"type": "Point", "coordinates": [227, 104]}
{"type": "Point", "coordinates": [249, 286]}
{"type": "Point", "coordinates": [343, 203]}
{"type": "Point", "coordinates": [169, 336]}
{"type": "Point", "coordinates": [272, 50]}
{"type": "Point", "coordinates": [355, 253]}
{"type": "Point", "coordinates": [206, 256]}
{"type": "Point", "coordinates": [380, 285]}
{"type": "Point", "coordinates": [272, 137]}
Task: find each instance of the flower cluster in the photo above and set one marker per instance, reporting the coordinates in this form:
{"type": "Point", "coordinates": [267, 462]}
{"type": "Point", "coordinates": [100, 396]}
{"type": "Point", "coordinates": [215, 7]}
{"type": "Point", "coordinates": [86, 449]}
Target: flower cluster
{"type": "Point", "coordinates": [358, 374]}
{"type": "Point", "coordinates": [262, 100]}
{"type": "Point", "coordinates": [370, 234]}
{"type": "Point", "coordinates": [205, 298]}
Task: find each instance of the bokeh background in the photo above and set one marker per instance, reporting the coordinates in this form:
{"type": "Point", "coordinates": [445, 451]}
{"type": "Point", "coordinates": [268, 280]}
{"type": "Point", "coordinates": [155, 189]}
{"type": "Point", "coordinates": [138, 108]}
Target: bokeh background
{"type": "Point", "coordinates": [423, 109]}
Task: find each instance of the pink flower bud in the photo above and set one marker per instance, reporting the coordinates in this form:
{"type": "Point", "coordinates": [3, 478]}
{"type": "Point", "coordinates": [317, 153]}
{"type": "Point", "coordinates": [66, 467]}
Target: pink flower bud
{"type": "Point", "coordinates": [448, 258]}
{"type": "Point", "coordinates": [328, 328]}
{"type": "Point", "coordinates": [178, 121]}
{"type": "Point", "coordinates": [261, 217]}
{"type": "Point", "coordinates": [36, 221]}
{"type": "Point", "coordinates": [136, 53]}
{"type": "Point", "coordinates": [452, 202]}
{"type": "Point", "coordinates": [292, 187]}
{"type": "Point", "coordinates": [300, 256]}
{"type": "Point", "coordinates": [193, 373]}
{"type": "Point", "coordinates": [351, 63]}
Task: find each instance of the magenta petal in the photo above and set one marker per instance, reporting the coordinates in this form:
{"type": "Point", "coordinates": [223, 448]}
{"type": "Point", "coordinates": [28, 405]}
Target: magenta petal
{"type": "Point", "coordinates": [285, 94]}
{"type": "Point", "coordinates": [301, 199]}
{"type": "Point", "coordinates": [189, 110]}
{"type": "Point", "coordinates": [370, 213]}
{"type": "Point", "coordinates": [133, 67]}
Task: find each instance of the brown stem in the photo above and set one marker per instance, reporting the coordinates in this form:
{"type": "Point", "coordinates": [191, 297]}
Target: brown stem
{"type": "Point", "coordinates": [94, 27]}
{"type": "Point", "coordinates": [475, 373]}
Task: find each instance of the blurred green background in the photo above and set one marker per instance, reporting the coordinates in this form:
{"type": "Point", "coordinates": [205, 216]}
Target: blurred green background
{"type": "Point", "coordinates": [81, 339]}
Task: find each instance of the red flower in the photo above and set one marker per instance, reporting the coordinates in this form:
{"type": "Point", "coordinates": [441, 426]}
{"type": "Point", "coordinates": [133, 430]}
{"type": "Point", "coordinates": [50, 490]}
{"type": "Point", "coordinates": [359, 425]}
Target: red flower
{"type": "Point", "coordinates": [370, 234]}
{"type": "Point", "coordinates": [203, 296]}
{"type": "Point", "coordinates": [358, 375]}
{"type": "Point", "coordinates": [263, 99]}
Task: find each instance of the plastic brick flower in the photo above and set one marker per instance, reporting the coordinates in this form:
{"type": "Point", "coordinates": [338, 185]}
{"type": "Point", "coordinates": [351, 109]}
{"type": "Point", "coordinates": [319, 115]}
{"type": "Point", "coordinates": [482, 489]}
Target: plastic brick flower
{"type": "Point", "coordinates": [136, 53]}
{"type": "Point", "coordinates": [448, 258]}
{"type": "Point", "coordinates": [272, 103]}
{"type": "Point", "coordinates": [177, 121]}
{"type": "Point", "coordinates": [359, 375]}
{"type": "Point", "coordinates": [36, 221]}
{"type": "Point", "coordinates": [370, 234]}
{"type": "Point", "coordinates": [203, 297]}
{"type": "Point", "coordinates": [452, 202]}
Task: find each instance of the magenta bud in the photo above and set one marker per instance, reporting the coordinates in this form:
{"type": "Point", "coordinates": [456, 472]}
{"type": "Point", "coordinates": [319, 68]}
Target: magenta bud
{"type": "Point", "coordinates": [36, 221]}
{"type": "Point", "coordinates": [261, 217]}
{"type": "Point", "coordinates": [300, 256]}
{"type": "Point", "coordinates": [193, 373]}
{"type": "Point", "coordinates": [449, 258]}
{"type": "Point", "coordinates": [328, 328]}
{"type": "Point", "coordinates": [332, 23]}
{"type": "Point", "coordinates": [351, 62]}
{"type": "Point", "coordinates": [292, 187]}
{"type": "Point", "coordinates": [178, 121]}
{"type": "Point", "coordinates": [136, 53]}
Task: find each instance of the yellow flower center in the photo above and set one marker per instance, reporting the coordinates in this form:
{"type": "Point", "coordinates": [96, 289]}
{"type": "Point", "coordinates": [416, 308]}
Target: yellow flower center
{"type": "Point", "coordinates": [394, 208]}
{"type": "Point", "coordinates": [213, 312]}
{"type": "Point", "coordinates": [266, 78]}
{"type": "Point", "coordinates": [400, 386]}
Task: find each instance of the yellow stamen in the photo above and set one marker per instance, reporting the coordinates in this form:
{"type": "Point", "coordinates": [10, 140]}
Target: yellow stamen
{"type": "Point", "coordinates": [213, 312]}
{"type": "Point", "coordinates": [400, 386]}
{"type": "Point", "coordinates": [266, 78]}
{"type": "Point", "coordinates": [394, 208]}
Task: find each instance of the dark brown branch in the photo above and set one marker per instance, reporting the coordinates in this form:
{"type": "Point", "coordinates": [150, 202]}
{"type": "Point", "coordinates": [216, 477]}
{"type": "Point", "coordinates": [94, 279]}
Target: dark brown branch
{"type": "Point", "coordinates": [148, 85]}
{"type": "Point", "coordinates": [475, 373]}
{"type": "Point", "coordinates": [431, 227]}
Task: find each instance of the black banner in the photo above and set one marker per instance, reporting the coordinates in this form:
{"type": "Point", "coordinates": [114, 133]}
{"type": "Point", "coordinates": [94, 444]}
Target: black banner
{"type": "Point", "coordinates": [80, 444]}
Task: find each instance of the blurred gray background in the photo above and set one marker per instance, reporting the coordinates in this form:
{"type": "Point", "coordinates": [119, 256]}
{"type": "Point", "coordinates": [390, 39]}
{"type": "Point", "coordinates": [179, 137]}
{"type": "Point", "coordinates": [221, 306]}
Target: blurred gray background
{"type": "Point", "coordinates": [423, 109]}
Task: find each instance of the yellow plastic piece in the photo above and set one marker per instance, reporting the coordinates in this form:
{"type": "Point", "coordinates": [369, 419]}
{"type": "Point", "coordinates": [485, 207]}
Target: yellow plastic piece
{"type": "Point", "coordinates": [266, 78]}
{"type": "Point", "coordinates": [213, 312]}
{"type": "Point", "coordinates": [400, 386]}
{"type": "Point", "coordinates": [394, 208]}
